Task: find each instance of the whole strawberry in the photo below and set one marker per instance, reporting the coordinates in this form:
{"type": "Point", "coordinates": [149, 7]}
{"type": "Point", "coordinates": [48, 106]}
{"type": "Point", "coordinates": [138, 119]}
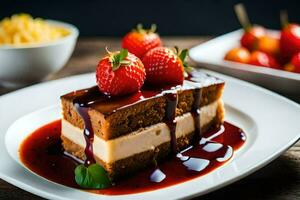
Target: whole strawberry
{"type": "Point", "coordinates": [289, 37]}
{"type": "Point", "coordinates": [290, 40]}
{"type": "Point", "coordinates": [140, 40]}
{"type": "Point", "coordinates": [120, 73]}
{"type": "Point", "coordinates": [251, 36]}
{"type": "Point", "coordinates": [164, 66]}
{"type": "Point", "coordinates": [252, 33]}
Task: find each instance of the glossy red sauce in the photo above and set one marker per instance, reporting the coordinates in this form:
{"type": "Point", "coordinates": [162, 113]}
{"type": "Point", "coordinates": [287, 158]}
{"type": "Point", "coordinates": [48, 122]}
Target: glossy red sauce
{"type": "Point", "coordinates": [42, 153]}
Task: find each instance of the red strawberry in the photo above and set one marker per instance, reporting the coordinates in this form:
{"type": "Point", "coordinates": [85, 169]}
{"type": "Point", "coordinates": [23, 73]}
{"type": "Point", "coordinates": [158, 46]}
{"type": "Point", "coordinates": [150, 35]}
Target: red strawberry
{"type": "Point", "coordinates": [139, 40]}
{"type": "Point", "coordinates": [290, 40]}
{"type": "Point", "coordinates": [163, 66]}
{"type": "Point", "coordinates": [251, 37]}
{"type": "Point", "coordinates": [294, 65]}
{"type": "Point", "coordinates": [120, 73]}
{"type": "Point", "coordinates": [262, 59]}
{"type": "Point", "coordinates": [251, 33]}
{"type": "Point", "coordinates": [289, 37]}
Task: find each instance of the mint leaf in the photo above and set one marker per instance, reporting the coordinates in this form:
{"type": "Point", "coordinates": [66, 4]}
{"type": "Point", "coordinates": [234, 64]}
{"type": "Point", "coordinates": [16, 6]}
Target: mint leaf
{"type": "Point", "coordinates": [81, 176]}
{"type": "Point", "coordinates": [99, 175]}
{"type": "Point", "coordinates": [118, 59]}
{"type": "Point", "coordinates": [92, 177]}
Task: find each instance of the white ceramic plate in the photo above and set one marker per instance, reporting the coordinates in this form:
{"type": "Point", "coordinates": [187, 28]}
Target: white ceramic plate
{"type": "Point", "coordinates": [263, 115]}
{"type": "Point", "coordinates": [211, 56]}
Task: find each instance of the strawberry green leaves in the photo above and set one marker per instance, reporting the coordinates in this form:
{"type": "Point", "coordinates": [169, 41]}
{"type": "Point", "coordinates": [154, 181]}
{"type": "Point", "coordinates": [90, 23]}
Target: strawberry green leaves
{"type": "Point", "coordinates": [92, 177]}
{"type": "Point", "coordinates": [118, 59]}
{"type": "Point", "coordinates": [182, 56]}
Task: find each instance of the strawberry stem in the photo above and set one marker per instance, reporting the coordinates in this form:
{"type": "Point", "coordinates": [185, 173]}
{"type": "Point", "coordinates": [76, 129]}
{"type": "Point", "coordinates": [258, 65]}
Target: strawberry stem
{"type": "Point", "coordinates": [118, 58]}
{"type": "Point", "coordinates": [284, 18]}
{"type": "Point", "coordinates": [242, 16]}
{"type": "Point", "coordinates": [108, 51]}
{"type": "Point", "coordinates": [176, 50]}
{"type": "Point", "coordinates": [153, 28]}
{"type": "Point", "coordinates": [139, 27]}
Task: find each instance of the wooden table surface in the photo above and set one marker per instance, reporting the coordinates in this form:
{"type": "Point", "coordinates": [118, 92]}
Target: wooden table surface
{"type": "Point", "coordinates": [278, 180]}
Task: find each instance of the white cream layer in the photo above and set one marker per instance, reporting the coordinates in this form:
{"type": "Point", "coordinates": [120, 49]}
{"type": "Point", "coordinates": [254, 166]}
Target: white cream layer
{"type": "Point", "coordinates": [141, 140]}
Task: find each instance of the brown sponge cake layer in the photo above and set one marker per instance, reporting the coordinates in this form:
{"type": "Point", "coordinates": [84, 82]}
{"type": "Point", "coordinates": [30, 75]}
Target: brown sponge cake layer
{"type": "Point", "coordinates": [109, 125]}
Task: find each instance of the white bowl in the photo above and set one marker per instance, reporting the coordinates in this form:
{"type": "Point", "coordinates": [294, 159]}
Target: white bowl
{"type": "Point", "coordinates": [211, 54]}
{"type": "Point", "coordinates": [32, 63]}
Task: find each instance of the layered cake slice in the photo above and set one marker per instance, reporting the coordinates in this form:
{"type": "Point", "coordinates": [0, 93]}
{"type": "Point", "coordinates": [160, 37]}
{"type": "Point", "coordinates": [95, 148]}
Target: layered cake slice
{"type": "Point", "coordinates": [128, 133]}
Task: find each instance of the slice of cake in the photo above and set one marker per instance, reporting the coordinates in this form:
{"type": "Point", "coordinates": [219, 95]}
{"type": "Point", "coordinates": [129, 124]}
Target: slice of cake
{"type": "Point", "coordinates": [126, 134]}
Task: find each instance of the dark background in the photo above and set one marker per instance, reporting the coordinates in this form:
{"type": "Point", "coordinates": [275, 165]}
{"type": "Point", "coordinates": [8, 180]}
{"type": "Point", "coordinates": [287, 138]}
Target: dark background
{"type": "Point", "coordinates": [177, 17]}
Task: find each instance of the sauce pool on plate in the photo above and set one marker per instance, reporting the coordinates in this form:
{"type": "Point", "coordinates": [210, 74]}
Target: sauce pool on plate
{"type": "Point", "coordinates": [43, 154]}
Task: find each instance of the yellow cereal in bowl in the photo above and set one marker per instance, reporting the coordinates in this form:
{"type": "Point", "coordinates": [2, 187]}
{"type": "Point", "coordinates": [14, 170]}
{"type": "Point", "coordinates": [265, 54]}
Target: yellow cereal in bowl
{"type": "Point", "coordinates": [22, 29]}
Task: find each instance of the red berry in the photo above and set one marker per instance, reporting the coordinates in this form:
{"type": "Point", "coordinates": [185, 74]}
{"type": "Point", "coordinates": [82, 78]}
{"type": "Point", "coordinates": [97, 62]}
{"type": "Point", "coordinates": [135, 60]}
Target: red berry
{"type": "Point", "coordinates": [251, 33]}
{"type": "Point", "coordinates": [120, 73]}
{"type": "Point", "coordinates": [290, 40]}
{"type": "Point", "coordinates": [163, 67]}
{"type": "Point", "coordinates": [140, 41]}
{"type": "Point", "coordinates": [294, 65]}
{"type": "Point", "coordinates": [251, 36]}
{"type": "Point", "coordinates": [262, 59]}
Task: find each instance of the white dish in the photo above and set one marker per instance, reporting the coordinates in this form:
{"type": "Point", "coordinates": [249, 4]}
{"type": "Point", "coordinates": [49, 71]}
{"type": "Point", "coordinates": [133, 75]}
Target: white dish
{"type": "Point", "coordinates": [31, 63]}
{"type": "Point", "coordinates": [211, 54]}
{"type": "Point", "coordinates": [263, 115]}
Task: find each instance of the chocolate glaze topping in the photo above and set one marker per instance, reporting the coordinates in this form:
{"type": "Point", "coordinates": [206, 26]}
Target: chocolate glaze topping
{"type": "Point", "coordinates": [107, 105]}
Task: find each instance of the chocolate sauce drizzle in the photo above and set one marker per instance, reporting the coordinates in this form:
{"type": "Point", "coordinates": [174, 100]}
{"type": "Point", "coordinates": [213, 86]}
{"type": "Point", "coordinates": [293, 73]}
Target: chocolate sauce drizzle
{"type": "Point", "coordinates": [192, 163]}
{"type": "Point", "coordinates": [88, 133]}
{"type": "Point", "coordinates": [171, 105]}
{"type": "Point", "coordinates": [82, 107]}
{"type": "Point", "coordinates": [196, 111]}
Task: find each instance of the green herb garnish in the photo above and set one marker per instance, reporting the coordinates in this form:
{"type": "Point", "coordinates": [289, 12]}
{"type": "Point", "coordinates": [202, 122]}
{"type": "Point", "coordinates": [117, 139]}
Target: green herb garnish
{"type": "Point", "coordinates": [92, 177]}
{"type": "Point", "coordinates": [182, 56]}
{"type": "Point", "coordinates": [118, 59]}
